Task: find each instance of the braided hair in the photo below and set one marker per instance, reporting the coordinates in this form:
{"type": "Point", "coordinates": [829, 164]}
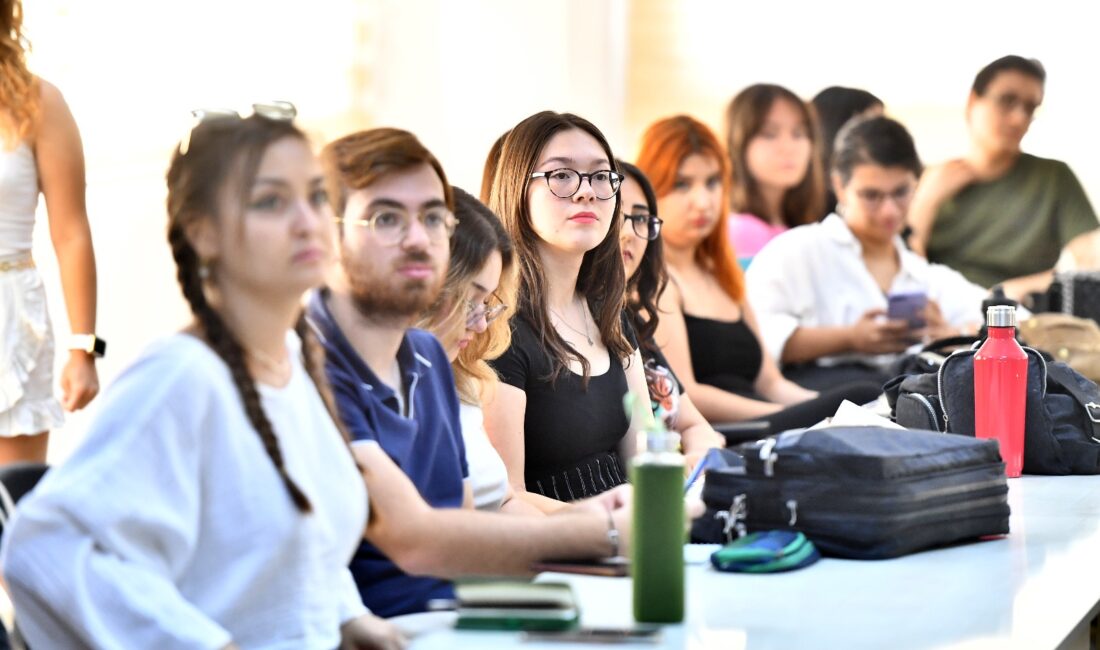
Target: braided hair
{"type": "Point", "coordinates": [224, 151]}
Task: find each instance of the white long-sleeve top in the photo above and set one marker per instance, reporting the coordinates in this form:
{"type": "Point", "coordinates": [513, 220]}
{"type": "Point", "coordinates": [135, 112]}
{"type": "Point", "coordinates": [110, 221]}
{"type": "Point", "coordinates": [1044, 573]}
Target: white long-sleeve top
{"type": "Point", "coordinates": [488, 475]}
{"type": "Point", "coordinates": [170, 527]}
{"type": "Point", "coordinates": [814, 276]}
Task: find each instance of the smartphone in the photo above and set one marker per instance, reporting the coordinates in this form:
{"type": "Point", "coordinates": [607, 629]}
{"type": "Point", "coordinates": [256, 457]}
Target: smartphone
{"type": "Point", "coordinates": [609, 566]}
{"type": "Point", "coordinates": [638, 634]}
{"type": "Point", "coordinates": [907, 307]}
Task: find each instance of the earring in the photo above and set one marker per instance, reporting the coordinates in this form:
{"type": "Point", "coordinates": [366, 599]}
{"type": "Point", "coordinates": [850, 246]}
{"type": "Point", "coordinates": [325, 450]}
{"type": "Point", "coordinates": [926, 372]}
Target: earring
{"type": "Point", "coordinates": [204, 270]}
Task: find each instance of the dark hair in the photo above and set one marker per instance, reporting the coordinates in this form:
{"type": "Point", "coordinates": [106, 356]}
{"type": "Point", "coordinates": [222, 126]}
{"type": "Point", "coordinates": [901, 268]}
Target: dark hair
{"type": "Point", "coordinates": [358, 160]}
{"type": "Point", "coordinates": [601, 280]}
{"type": "Point", "coordinates": [478, 233]}
{"type": "Point", "coordinates": [225, 153]}
{"type": "Point", "coordinates": [492, 159]}
{"type": "Point", "coordinates": [745, 118]}
{"type": "Point", "coordinates": [1029, 67]}
{"type": "Point", "coordinates": [874, 141]}
{"type": "Point", "coordinates": [835, 106]}
{"type": "Point", "coordinates": [645, 287]}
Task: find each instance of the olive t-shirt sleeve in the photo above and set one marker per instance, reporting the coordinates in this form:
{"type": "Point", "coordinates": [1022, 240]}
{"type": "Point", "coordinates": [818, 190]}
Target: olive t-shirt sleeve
{"type": "Point", "coordinates": [1075, 214]}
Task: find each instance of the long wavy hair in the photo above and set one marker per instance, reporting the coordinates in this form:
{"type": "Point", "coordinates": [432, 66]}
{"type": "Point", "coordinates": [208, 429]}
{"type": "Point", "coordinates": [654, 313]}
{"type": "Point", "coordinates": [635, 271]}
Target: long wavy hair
{"type": "Point", "coordinates": [644, 288]}
{"type": "Point", "coordinates": [225, 154]}
{"type": "Point", "coordinates": [745, 118]}
{"type": "Point", "coordinates": [601, 280]}
{"type": "Point", "coordinates": [19, 100]}
{"type": "Point", "coordinates": [479, 232]}
{"type": "Point", "coordinates": [665, 145]}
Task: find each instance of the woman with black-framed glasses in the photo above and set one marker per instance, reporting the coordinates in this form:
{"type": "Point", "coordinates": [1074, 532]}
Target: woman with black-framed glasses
{"type": "Point", "coordinates": [470, 321]}
{"type": "Point", "coordinates": [557, 419]}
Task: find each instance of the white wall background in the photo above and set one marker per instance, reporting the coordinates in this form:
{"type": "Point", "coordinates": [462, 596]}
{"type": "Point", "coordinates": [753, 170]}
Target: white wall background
{"type": "Point", "coordinates": [458, 73]}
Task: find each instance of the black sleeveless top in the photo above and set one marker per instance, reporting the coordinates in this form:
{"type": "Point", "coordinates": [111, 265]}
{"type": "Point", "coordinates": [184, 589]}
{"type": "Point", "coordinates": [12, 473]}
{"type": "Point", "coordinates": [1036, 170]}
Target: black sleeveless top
{"type": "Point", "coordinates": [571, 435]}
{"type": "Point", "coordinates": [725, 354]}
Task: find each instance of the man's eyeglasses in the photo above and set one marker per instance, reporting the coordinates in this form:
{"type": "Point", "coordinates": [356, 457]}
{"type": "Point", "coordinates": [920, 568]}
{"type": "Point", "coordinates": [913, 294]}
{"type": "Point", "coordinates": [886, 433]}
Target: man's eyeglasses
{"type": "Point", "coordinates": [565, 182]}
{"type": "Point", "coordinates": [873, 199]}
{"type": "Point", "coordinates": [281, 111]}
{"type": "Point", "coordinates": [475, 311]}
{"type": "Point", "coordinates": [391, 225]}
{"type": "Point", "coordinates": [1009, 102]}
{"type": "Point", "coordinates": [646, 226]}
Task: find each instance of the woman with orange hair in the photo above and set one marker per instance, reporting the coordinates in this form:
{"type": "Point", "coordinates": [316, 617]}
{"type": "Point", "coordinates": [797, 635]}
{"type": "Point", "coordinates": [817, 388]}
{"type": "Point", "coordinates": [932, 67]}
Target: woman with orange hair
{"type": "Point", "coordinates": [40, 152]}
{"type": "Point", "coordinates": [707, 329]}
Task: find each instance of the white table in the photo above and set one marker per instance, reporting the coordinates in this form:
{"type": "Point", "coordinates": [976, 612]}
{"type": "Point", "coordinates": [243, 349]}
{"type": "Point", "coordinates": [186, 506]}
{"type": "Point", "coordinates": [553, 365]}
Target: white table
{"type": "Point", "coordinates": [1037, 588]}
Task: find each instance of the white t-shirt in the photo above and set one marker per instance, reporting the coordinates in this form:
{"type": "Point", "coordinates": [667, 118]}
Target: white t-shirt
{"type": "Point", "coordinates": [170, 527]}
{"type": "Point", "coordinates": [488, 476]}
{"type": "Point", "coordinates": [814, 276]}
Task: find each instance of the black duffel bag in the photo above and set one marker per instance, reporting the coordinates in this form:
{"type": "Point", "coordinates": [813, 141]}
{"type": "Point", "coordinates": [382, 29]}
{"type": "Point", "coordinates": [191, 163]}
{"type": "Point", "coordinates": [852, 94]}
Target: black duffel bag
{"type": "Point", "coordinates": [1062, 421]}
{"type": "Point", "coordinates": [859, 492]}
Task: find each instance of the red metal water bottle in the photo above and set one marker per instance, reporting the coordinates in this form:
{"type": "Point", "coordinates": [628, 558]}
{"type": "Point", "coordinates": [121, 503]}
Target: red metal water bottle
{"type": "Point", "coordinates": [1000, 388]}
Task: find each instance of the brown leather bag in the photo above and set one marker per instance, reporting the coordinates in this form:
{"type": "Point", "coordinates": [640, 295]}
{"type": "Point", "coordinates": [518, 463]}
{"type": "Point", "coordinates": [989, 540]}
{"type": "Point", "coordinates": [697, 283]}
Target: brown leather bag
{"type": "Point", "coordinates": [1073, 340]}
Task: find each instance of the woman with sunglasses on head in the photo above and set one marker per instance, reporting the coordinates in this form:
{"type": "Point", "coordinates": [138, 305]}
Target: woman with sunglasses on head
{"type": "Point", "coordinates": [773, 141]}
{"type": "Point", "coordinates": [224, 502]}
{"type": "Point", "coordinates": [822, 290]}
{"type": "Point", "coordinates": [646, 279]}
{"type": "Point", "coordinates": [707, 329]}
{"type": "Point", "coordinates": [557, 419]}
{"type": "Point", "coordinates": [40, 151]}
{"type": "Point", "coordinates": [469, 319]}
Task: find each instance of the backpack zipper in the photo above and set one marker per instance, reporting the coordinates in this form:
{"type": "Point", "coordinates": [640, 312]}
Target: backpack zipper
{"type": "Point", "coordinates": [931, 410]}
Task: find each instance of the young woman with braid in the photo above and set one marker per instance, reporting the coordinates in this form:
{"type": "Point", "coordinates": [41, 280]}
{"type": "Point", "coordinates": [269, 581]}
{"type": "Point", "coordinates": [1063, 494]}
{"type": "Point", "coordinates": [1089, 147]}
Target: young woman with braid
{"type": "Point", "coordinates": [214, 502]}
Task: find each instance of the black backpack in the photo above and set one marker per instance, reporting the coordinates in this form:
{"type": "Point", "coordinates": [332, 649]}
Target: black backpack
{"type": "Point", "coordinates": [1062, 428]}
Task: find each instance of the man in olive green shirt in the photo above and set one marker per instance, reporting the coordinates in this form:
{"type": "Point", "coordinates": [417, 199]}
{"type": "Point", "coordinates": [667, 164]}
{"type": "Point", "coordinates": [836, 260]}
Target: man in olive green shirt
{"type": "Point", "coordinates": [1000, 216]}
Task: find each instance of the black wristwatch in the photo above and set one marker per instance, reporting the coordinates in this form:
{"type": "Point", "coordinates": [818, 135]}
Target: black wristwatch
{"type": "Point", "coordinates": [89, 343]}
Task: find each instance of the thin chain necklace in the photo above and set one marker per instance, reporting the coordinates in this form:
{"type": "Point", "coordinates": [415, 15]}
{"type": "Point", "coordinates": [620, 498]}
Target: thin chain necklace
{"type": "Point", "coordinates": [278, 367]}
{"type": "Point", "coordinates": [584, 317]}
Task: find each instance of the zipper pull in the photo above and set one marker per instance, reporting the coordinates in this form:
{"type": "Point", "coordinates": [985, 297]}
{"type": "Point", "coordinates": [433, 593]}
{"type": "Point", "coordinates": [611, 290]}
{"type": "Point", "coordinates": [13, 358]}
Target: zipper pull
{"type": "Point", "coordinates": [734, 518]}
{"type": "Point", "coordinates": [792, 506]}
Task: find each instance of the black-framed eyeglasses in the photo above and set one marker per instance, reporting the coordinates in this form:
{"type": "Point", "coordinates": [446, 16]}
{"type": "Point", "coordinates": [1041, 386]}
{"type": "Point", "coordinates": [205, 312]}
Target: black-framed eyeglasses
{"type": "Point", "coordinates": [391, 224]}
{"type": "Point", "coordinates": [566, 182]}
{"type": "Point", "coordinates": [475, 311]}
{"type": "Point", "coordinates": [282, 111]}
{"type": "Point", "coordinates": [646, 226]}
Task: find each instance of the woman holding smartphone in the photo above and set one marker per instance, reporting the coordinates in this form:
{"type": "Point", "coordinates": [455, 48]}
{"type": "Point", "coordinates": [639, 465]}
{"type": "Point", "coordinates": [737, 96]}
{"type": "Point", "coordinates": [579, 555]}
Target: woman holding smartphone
{"type": "Point", "coordinates": [822, 291]}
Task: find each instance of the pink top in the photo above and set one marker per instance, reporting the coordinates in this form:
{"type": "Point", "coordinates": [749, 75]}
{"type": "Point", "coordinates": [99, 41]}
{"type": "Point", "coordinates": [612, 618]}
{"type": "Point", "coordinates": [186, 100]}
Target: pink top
{"type": "Point", "coordinates": [749, 234]}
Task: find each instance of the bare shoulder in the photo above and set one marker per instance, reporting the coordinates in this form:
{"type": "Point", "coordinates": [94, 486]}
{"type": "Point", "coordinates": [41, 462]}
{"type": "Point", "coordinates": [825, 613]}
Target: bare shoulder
{"type": "Point", "coordinates": [671, 299]}
{"type": "Point", "coordinates": [54, 109]}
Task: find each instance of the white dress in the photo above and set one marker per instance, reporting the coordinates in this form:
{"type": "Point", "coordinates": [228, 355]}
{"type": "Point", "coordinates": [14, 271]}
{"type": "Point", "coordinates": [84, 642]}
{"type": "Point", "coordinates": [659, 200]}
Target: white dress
{"type": "Point", "coordinates": [170, 528]}
{"type": "Point", "coordinates": [27, 402]}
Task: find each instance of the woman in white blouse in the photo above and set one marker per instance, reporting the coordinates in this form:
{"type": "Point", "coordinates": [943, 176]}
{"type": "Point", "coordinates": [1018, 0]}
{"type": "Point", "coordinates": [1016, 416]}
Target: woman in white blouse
{"type": "Point", "coordinates": [215, 502]}
{"type": "Point", "coordinates": [821, 291]}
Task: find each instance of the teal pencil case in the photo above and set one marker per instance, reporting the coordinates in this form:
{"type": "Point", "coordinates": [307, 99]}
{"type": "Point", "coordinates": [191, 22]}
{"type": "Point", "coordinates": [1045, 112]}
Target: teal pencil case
{"type": "Point", "coordinates": [766, 552]}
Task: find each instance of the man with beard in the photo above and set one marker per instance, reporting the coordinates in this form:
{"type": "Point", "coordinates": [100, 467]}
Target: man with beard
{"type": "Point", "coordinates": [393, 384]}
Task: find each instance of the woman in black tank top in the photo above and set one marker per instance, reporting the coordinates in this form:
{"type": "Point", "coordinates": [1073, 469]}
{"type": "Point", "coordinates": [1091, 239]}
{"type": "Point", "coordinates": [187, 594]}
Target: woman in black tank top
{"type": "Point", "coordinates": [707, 329]}
{"type": "Point", "coordinates": [558, 419]}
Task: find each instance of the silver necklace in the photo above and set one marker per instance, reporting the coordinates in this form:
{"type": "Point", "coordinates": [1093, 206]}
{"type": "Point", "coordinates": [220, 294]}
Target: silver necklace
{"type": "Point", "coordinates": [584, 318]}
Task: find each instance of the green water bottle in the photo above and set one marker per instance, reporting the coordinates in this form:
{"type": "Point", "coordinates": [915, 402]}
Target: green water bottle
{"type": "Point", "coordinates": [657, 539]}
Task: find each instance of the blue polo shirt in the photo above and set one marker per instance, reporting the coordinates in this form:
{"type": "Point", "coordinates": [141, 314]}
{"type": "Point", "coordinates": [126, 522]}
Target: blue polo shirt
{"type": "Point", "coordinates": [427, 445]}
